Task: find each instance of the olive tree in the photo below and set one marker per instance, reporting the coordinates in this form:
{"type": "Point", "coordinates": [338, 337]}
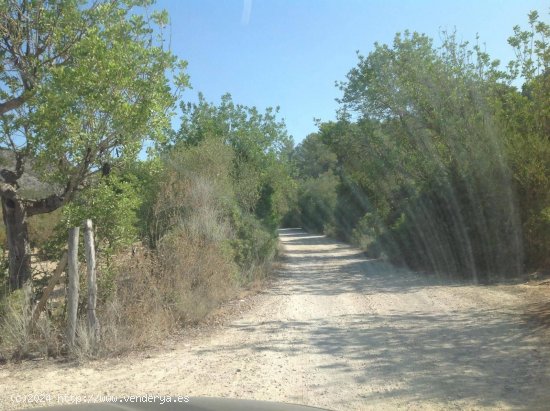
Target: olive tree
{"type": "Point", "coordinates": [82, 84]}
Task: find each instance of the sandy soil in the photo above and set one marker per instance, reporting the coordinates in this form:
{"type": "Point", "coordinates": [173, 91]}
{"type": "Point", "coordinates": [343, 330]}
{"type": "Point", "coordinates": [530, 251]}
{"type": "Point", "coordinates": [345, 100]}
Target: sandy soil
{"type": "Point", "coordinates": [339, 331]}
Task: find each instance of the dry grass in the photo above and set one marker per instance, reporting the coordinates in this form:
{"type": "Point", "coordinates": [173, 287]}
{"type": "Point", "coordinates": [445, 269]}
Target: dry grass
{"type": "Point", "coordinates": [195, 276]}
{"type": "Point", "coordinates": [135, 315]}
{"type": "Point", "coordinates": [157, 293]}
{"type": "Point", "coordinates": [18, 338]}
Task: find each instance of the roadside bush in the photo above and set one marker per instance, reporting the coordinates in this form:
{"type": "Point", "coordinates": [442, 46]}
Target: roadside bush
{"type": "Point", "coordinates": [193, 230]}
{"type": "Point", "coordinates": [135, 315]}
{"type": "Point", "coordinates": [193, 181]}
{"type": "Point", "coordinates": [196, 197]}
{"type": "Point", "coordinates": [254, 247]}
{"type": "Point", "coordinates": [17, 338]}
{"type": "Point", "coordinates": [201, 244]}
{"type": "Point", "coordinates": [195, 276]}
{"type": "Point", "coordinates": [365, 233]}
{"type": "Point", "coordinates": [441, 163]}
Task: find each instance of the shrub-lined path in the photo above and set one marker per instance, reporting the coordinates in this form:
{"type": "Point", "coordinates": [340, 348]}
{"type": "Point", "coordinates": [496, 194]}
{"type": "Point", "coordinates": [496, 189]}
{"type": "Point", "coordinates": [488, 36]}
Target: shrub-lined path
{"type": "Point", "coordinates": [343, 332]}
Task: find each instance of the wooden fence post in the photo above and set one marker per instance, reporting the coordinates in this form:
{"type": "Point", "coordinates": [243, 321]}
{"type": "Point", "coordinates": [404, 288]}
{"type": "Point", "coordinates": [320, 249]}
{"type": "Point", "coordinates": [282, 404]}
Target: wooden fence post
{"type": "Point", "coordinates": [72, 297]}
{"type": "Point", "coordinates": [93, 324]}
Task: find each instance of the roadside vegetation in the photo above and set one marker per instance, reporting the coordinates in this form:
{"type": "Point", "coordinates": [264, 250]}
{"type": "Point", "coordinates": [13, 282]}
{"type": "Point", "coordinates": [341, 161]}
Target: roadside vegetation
{"type": "Point", "coordinates": [440, 158]}
{"type": "Point", "coordinates": [178, 232]}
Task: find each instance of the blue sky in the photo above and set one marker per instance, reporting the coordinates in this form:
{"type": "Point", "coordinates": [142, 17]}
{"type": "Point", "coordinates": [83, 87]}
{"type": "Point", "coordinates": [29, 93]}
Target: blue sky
{"type": "Point", "coordinates": [289, 53]}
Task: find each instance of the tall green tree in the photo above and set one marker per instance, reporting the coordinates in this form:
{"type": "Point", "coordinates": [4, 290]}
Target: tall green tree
{"type": "Point", "coordinates": [434, 165]}
{"type": "Point", "coordinates": [526, 116]}
{"type": "Point", "coordinates": [261, 147]}
{"type": "Point", "coordinates": [82, 84]}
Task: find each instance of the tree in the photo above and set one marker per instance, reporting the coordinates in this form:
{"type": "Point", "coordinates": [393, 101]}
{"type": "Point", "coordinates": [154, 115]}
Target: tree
{"type": "Point", "coordinates": [526, 115]}
{"type": "Point", "coordinates": [259, 141]}
{"type": "Point", "coordinates": [431, 159]}
{"type": "Point", "coordinates": [313, 158]}
{"type": "Point", "coordinates": [82, 85]}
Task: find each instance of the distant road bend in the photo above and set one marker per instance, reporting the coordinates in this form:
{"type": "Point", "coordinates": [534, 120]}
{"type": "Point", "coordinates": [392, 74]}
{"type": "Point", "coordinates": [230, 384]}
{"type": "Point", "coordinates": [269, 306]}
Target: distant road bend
{"type": "Point", "coordinates": [339, 331]}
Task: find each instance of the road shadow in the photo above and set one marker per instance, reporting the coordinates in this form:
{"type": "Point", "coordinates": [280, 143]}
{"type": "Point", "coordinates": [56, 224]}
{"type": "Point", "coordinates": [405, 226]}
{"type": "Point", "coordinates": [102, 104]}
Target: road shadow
{"type": "Point", "coordinates": [487, 357]}
{"type": "Point", "coordinates": [333, 268]}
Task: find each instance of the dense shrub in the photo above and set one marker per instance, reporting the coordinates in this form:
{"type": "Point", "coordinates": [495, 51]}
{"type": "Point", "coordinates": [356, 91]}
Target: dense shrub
{"type": "Point", "coordinates": [254, 247]}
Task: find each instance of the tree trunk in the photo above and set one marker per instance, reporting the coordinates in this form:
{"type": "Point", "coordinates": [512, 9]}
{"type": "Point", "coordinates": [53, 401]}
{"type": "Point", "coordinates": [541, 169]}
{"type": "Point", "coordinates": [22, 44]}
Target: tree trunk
{"type": "Point", "coordinates": [17, 236]}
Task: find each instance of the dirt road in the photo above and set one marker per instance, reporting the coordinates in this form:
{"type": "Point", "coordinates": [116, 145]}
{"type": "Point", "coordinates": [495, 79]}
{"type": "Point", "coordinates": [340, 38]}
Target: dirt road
{"type": "Point", "coordinates": [339, 331]}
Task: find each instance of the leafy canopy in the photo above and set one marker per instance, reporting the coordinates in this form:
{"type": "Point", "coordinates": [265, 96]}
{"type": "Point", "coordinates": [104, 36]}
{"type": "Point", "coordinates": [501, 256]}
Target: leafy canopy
{"type": "Point", "coordinates": [83, 84]}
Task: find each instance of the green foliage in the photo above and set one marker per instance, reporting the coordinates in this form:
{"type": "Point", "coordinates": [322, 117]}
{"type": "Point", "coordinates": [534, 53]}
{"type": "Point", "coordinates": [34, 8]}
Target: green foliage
{"type": "Point", "coordinates": [439, 162]}
{"type": "Point", "coordinates": [82, 86]}
{"type": "Point", "coordinates": [244, 156]}
{"type": "Point", "coordinates": [317, 201]}
{"type": "Point", "coordinates": [365, 234]}
{"type": "Point", "coordinates": [314, 201]}
{"type": "Point", "coordinates": [99, 99]}
{"type": "Point", "coordinates": [259, 143]}
{"type": "Point", "coordinates": [197, 195]}
{"type": "Point", "coordinates": [194, 181]}
{"type": "Point", "coordinates": [253, 245]}
{"type": "Point", "coordinates": [111, 204]}
{"type": "Point", "coordinates": [95, 83]}
{"type": "Point", "coordinates": [145, 177]}
{"type": "Point", "coordinates": [526, 115]}
{"type": "Point", "coordinates": [313, 158]}
{"type": "Point", "coordinates": [101, 106]}
{"type": "Point", "coordinates": [445, 180]}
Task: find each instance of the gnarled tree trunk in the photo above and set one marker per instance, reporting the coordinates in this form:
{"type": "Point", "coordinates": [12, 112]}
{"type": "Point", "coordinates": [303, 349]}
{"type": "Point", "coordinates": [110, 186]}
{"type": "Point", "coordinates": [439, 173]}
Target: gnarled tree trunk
{"type": "Point", "coordinates": [16, 210]}
{"type": "Point", "coordinates": [17, 236]}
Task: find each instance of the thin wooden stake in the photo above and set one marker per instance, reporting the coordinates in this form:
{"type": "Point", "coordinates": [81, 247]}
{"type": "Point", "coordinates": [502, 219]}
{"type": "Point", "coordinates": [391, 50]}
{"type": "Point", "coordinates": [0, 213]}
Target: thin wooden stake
{"type": "Point", "coordinates": [72, 297]}
{"type": "Point", "coordinates": [93, 324]}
